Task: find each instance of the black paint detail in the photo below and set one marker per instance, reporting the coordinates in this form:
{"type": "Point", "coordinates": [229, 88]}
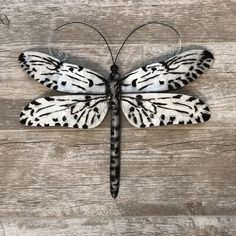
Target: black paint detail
{"type": "Point", "coordinates": [161, 82]}
{"type": "Point", "coordinates": [144, 68]}
{"type": "Point", "coordinates": [139, 97]}
{"type": "Point", "coordinates": [199, 71]}
{"type": "Point", "coordinates": [190, 99]}
{"type": "Point", "coordinates": [185, 82]}
{"type": "Point", "coordinates": [207, 54]}
{"type": "Point", "coordinates": [90, 82]}
{"type": "Point", "coordinates": [30, 123]}
{"type": "Point", "coordinates": [200, 103]}
{"type": "Point", "coordinates": [84, 126]}
{"type": "Point", "coordinates": [76, 126]}
{"type": "Point", "coordinates": [198, 119]}
{"type": "Point", "coordinates": [206, 65]}
{"type": "Point", "coordinates": [134, 83]}
{"type": "Point", "coordinates": [131, 109]}
{"type": "Point", "coordinates": [194, 75]}
{"type": "Point", "coordinates": [142, 125]}
{"type": "Point", "coordinates": [161, 123]}
{"type": "Point", "coordinates": [22, 57]}
{"type": "Point", "coordinates": [23, 121]}
{"type": "Point", "coordinates": [95, 109]}
{"type": "Point", "coordinates": [63, 83]}
{"type": "Point", "coordinates": [49, 99]}
{"type": "Point", "coordinates": [177, 96]}
{"type": "Point", "coordinates": [205, 116]}
{"type": "Point", "coordinates": [35, 103]}
{"type": "Point", "coordinates": [177, 85]}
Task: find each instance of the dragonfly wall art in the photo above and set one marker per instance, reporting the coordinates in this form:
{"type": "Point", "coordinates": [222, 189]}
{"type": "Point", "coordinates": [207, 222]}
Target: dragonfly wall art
{"type": "Point", "coordinates": [141, 95]}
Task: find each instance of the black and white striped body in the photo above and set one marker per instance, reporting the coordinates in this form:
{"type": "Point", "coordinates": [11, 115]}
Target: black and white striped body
{"type": "Point", "coordinates": [115, 96]}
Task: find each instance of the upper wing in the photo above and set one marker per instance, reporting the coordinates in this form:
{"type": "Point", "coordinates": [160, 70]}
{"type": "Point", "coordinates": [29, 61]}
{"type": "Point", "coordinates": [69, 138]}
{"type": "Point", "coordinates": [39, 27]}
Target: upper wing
{"type": "Point", "coordinates": [173, 73]}
{"type": "Point", "coordinates": [159, 109]}
{"type": "Point", "coordinates": [76, 111]}
{"type": "Point", "coordinates": [61, 76]}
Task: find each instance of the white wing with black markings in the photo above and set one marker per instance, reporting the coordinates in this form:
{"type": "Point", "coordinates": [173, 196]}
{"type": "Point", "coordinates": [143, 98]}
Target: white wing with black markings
{"type": "Point", "coordinates": [61, 76]}
{"type": "Point", "coordinates": [171, 74]}
{"type": "Point", "coordinates": [157, 109]}
{"type": "Point", "coordinates": [75, 111]}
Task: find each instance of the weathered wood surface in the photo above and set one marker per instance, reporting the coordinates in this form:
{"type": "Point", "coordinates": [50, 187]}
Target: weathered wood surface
{"type": "Point", "coordinates": [178, 180]}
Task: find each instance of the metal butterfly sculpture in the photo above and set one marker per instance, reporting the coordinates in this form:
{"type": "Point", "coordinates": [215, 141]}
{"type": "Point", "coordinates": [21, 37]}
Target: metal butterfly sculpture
{"type": "Point", "coordinates": [139, 95]}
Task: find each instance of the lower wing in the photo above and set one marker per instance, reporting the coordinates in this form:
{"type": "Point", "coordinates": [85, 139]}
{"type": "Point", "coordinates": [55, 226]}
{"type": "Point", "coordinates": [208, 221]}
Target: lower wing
{"type": "Point", "coordinates": [76, 111]}
{"type": "Point", "coordinates": [156, 109]}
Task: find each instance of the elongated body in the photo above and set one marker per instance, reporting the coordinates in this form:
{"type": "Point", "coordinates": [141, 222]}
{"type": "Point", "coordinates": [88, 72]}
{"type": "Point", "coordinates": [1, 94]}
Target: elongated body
{"type": "Point", "coordinates": [115, 96]}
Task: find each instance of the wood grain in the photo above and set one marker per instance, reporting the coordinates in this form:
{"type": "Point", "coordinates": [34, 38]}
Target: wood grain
{"type": "Point", "coordinates": [130, 226]}
{"type": "Point", "coordinates": [176, 180]}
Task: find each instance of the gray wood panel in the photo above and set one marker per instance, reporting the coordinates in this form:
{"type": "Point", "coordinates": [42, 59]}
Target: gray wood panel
{"type": "Point", "coordinates": [130, 226]}
{"type": "Point", "coordinates": [176, 180]}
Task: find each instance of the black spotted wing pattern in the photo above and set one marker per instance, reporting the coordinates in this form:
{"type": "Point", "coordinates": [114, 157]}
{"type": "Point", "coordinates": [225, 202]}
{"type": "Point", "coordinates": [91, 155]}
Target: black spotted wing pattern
{"type": "Point", "coordinates": [148, 109]}
{"type": "Point", "coordinates": [75, 111]}
{"type": "Point", "coordinates": [61, 76]}
{"type": "Point", "coordinates": [171, 74]}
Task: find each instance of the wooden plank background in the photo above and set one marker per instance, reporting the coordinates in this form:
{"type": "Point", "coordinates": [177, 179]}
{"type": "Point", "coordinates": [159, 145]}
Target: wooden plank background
{"type": "Point", "coordinates": [178, 180]}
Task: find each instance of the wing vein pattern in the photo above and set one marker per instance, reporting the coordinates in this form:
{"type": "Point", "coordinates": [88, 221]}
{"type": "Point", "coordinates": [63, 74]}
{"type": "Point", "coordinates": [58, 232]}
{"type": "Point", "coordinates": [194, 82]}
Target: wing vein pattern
{"type": "Point", "coordinates": [171, 74]}
{"type": "Point", "coordinates": [75, 111]}
{"type": "Point", "coordinates": [61, 76]}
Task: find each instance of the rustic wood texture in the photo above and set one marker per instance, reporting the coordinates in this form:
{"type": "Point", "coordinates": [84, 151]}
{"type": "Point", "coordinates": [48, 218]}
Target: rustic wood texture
{"type": "Point", "coordinates": [177, 180]}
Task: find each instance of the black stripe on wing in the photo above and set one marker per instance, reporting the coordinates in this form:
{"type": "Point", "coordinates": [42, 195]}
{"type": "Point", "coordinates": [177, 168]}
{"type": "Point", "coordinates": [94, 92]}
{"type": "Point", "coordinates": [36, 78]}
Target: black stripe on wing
{"type": "Point", "coordinates": [171, 74]}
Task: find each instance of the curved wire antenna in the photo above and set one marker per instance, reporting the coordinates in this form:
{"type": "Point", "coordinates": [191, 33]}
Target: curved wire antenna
{"type": "Point", "coordinates": [143, 25]}
{"type": "Point", "coordinates": [82, 23]}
